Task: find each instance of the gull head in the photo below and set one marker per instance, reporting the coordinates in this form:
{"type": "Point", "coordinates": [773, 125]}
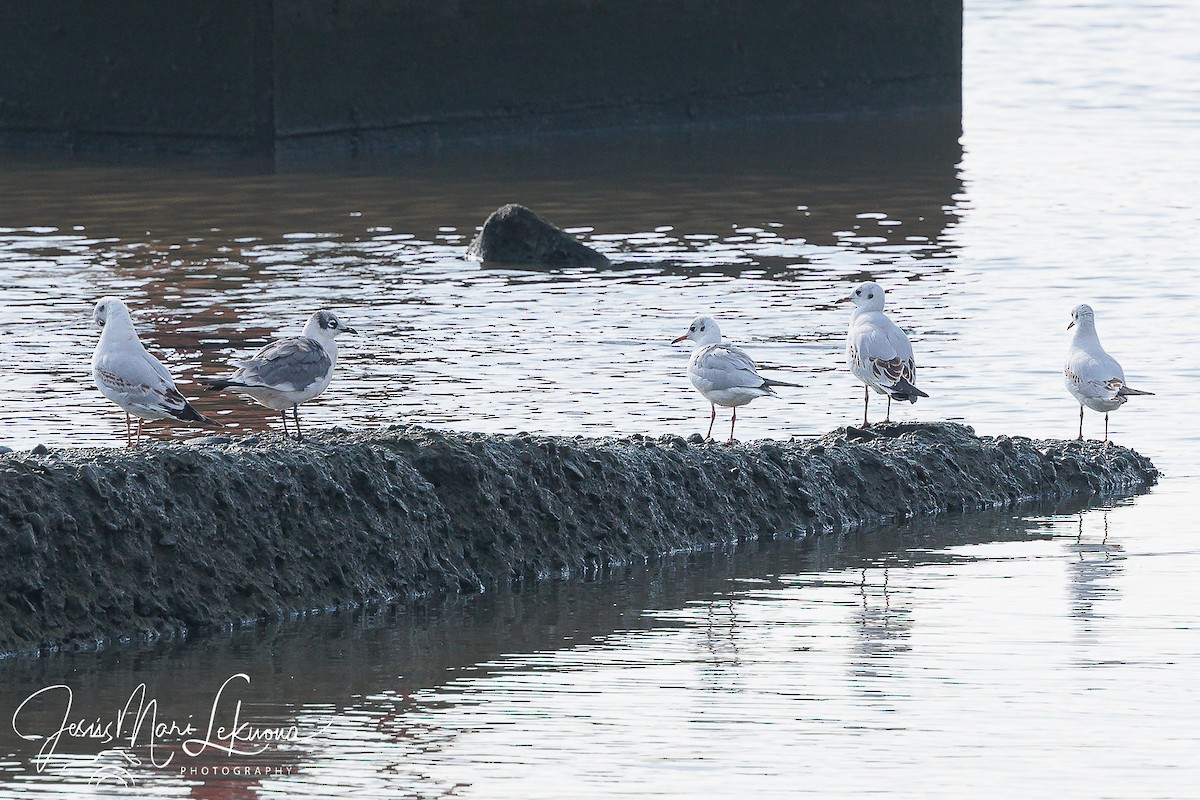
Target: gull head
{"type": "Point", "coordinates": [868, 296]}
{"type": "Point", "coordinates": [1083, 316]}
{"type": "Point", "coordinates": [325, 325]}
{"type": "Point", "coordinates": [110, 310]}
{"type": "Point", "coordinates": [702, 331]}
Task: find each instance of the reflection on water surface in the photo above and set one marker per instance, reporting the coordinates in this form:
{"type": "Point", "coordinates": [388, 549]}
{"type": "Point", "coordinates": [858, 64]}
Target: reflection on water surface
{"type": "Point", "coordinates": [1050, 653]}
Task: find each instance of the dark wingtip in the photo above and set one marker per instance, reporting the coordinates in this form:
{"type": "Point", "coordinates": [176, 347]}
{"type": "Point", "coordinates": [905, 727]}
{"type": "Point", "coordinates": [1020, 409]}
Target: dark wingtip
{"type": "Point", "coordinates": [189, 414]}
{"type": "Point", "coordinates": [903, 390]}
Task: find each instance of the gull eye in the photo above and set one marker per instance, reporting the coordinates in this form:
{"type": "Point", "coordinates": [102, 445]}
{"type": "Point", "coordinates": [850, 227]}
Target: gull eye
{"type": "Point", "coordinates": [871, 296]}
{"type": "Point", "coordinates": [101, 323]}
{"type": "Point", "coordinates": [333, 323]}
{"type": "Point", "coordinates": [692, 329]}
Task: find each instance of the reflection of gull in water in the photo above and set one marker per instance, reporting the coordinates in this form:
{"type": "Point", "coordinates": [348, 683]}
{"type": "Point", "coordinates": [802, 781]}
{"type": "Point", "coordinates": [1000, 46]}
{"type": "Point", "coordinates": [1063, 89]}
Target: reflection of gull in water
{"type": "Point", "coordinates": [721, 641]}
{"type": "Point", "coordinates": [1092, 571]}
{"type": "Point", "coordinates": [883, 631]}
{"type": "Point", "coordinates": [405, 720]}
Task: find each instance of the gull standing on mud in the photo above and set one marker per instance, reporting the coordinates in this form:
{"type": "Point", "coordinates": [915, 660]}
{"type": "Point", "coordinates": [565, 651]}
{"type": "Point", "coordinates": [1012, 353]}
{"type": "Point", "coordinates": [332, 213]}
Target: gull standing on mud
{"type": "Point", "coordinates": [1091, 374]}
{"type": "Point", "coordinates": [879, 353]}
{"type": "Point", "coordinates": [723, 373]}
{"type": "Point", "coordinates": [291, 371]}
{"type": "Point", "coordinates": [132, 378]}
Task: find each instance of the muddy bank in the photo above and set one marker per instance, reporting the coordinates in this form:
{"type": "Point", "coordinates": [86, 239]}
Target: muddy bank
{"type": "Point", "coordinates": [100, 544]}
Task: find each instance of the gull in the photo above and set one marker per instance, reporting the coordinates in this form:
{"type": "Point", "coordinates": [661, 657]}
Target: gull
{"type": "Point", "coordinates": [723, 373]}
{"type": "Point", "coordinates": [291, 371]}
{"type": "Point", "coordinates": [132, 378]}
{"type": "Point", "coordinates": [879, 353]}
{"type": "Point", "coordinates": [1092, 375]}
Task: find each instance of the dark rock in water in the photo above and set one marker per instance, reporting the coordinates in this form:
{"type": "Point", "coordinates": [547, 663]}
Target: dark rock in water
{"type": "Point", "coordinates": [4, 449]}
{"type": "Point", "coordinates": [106, 543]}
{"type": "Point", "coordinates": [515, 235]}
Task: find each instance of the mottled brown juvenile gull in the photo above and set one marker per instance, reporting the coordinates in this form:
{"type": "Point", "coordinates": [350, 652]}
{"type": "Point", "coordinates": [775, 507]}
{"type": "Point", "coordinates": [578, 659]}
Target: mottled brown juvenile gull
{"type": "Point", "coordinates": [1091, 374]}
{"type": "Point", "coordinates": [879, 353]}
{"type": "Point", "coordinates": [291, 371]}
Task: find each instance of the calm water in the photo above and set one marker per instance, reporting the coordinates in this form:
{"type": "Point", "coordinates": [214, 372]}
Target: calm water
{"type": "Point", "coordinates": [1050, 653]}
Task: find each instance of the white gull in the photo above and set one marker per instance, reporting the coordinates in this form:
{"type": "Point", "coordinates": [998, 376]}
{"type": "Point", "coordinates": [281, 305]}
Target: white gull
{"type": "Point", "coordinates": [129, 376]}
{"type": "Point", "coordinates": [879, 353]}
{"type": "Point", "coordinates": [1091, 374]}
{"type": "Point", "coordinates": [291, 371]}
{"type": "Point", "coordinates": [722, 372]}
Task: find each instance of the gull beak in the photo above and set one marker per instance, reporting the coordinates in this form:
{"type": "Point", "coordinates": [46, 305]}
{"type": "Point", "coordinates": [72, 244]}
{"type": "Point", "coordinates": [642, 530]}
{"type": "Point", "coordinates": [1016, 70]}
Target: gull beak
{"type": "Point", "coordinates": [1072, 325]}
{"type": "Point", "coordinates": [349, 330]}
{"type": "Point", "coordinates": [680, 339]}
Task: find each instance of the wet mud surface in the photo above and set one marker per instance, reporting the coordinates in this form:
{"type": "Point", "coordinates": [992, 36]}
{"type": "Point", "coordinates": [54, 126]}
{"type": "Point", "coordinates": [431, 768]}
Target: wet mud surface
{"type": "Point", "coordinates": [111, 544]}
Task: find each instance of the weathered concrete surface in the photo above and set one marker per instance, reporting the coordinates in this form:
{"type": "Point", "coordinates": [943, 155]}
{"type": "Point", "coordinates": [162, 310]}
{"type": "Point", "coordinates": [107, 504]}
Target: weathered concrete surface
{"type": "Point", "coordinates": [140, 74]}
{"type": "Point", "coordinates": [297, 75]}
{"type": "Point", "coordinates": [512, 234]}
{"type": "Point", "coordinates": [108, 543]}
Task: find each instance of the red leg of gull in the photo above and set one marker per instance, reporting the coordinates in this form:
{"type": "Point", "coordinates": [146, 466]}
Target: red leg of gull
{"type": "Point", "coordinates": [887, 417]}
{"type": "Point", "coordinates": [711, 420]}
{"type": "Point", "coordinates": [866, 401]}
{"type": "Point", "coordinates": [731, 424]}
{"type": "Point", "coordinates": [1106, 427]}
{"type": "Point", "coordinates": [128, 431]}
{"type": "Point", "coordinates": [139, 432]}
{"type": "Point", "coordinates": [283, 414]}
{"type": "Point", "coordinates": [1081, 423]}
{"type": "Point", "coordinates": [296, 419]}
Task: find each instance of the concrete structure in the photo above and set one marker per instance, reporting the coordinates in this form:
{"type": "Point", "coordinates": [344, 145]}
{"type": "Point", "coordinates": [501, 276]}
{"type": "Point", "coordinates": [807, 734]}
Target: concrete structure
{"type": "Point", "coordinates": [257, 76]}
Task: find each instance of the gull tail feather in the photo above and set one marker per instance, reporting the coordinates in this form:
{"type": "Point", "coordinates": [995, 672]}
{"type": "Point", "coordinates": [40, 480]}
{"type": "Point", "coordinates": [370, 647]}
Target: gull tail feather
{"type": "Point", "coordinates": [768, 383]}
{"type": "Point", "coordinates": [189, 414]}
{"type": "Point", "coordinates": [1128, 391]}
{"type": "Point", "coordinates": [217, 384]}
{"type": "Point", "coordinates": [903, 390]}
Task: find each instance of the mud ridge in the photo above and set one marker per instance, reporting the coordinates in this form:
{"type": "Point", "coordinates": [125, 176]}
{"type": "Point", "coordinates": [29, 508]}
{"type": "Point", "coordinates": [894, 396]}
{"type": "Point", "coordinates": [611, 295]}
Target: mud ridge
{"type": "Point", "coordinates": [110, 544]}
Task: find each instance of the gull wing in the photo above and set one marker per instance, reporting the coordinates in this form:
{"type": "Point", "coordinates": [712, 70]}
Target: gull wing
{"type": "Point", "coordinates": [290, 365]}
{"type": "Point", "coordinates": [141, 379]}
{"type": "Point", "coordinates": [1095, 375]}
{"type": "Point", "coordinates": [879, 346]}
{"type": "Point", "coordinates": [725, 366]}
